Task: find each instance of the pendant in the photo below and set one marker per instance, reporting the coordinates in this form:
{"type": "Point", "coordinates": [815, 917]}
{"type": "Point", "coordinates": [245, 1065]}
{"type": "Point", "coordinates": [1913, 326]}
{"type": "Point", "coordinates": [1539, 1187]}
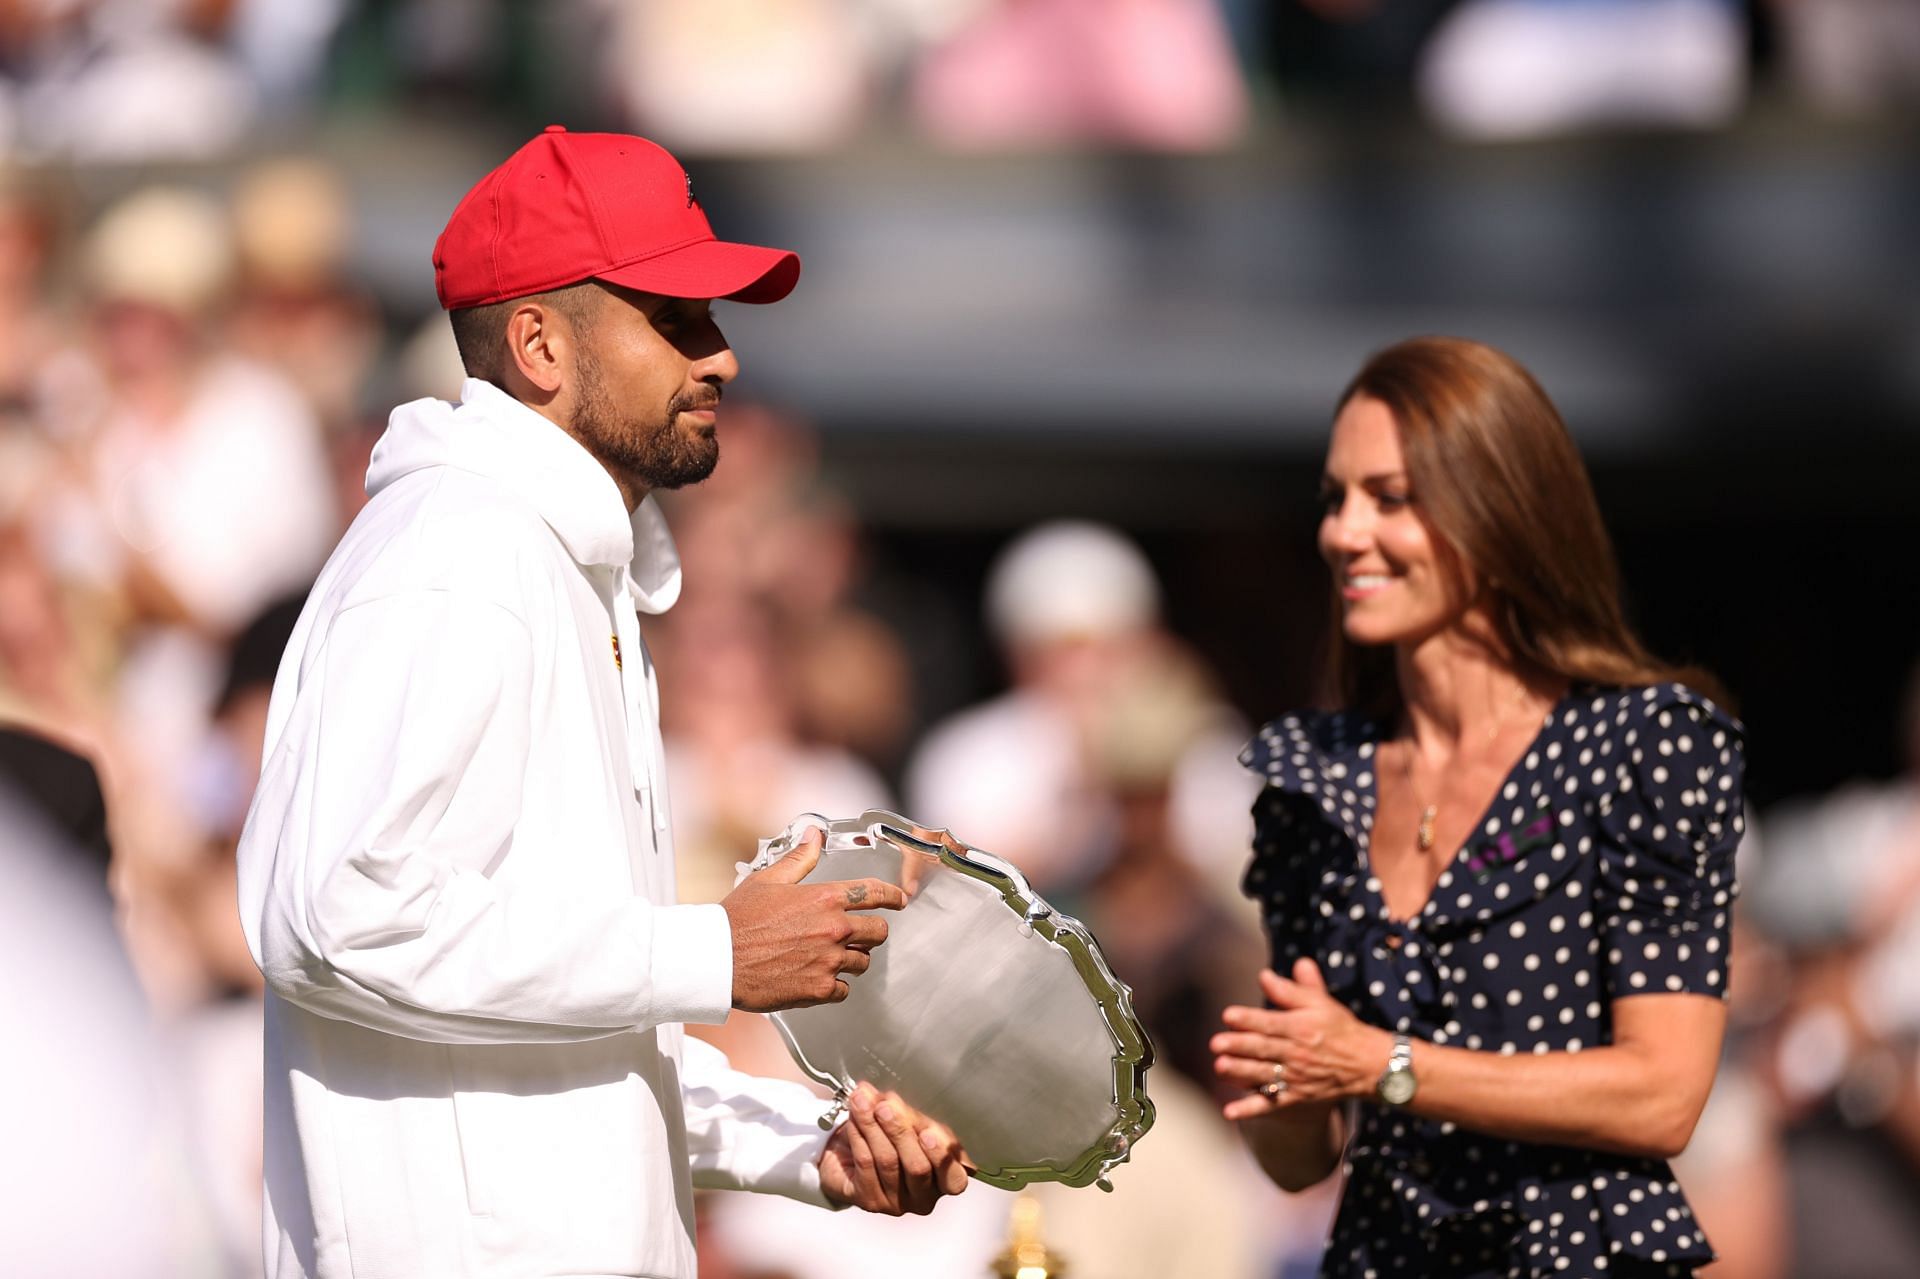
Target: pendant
{"type": "Point", "coordinates": [1425, 836]}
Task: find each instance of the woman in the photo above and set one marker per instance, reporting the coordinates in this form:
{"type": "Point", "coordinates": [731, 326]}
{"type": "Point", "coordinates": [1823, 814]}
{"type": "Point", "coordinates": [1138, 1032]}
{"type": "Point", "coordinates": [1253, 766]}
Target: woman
{"type": "Point", "coordinates": [1498, 880]}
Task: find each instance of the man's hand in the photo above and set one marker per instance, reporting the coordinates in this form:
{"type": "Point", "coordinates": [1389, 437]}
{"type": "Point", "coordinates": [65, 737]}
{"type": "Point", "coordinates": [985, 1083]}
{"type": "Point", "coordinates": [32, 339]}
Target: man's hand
{"type": "Point", "coordinates": [793, 942]}
{"type": "Point", "coordinates": [889, 1158]}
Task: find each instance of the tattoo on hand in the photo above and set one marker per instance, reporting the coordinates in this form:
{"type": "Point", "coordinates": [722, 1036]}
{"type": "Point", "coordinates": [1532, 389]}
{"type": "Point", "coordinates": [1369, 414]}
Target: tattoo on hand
{"type": "Point", "coordinates": [856, 894]}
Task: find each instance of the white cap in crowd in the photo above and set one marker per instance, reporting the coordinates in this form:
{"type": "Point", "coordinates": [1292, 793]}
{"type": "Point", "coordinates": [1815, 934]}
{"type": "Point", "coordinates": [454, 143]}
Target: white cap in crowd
{"type": "Point", "coordinates": [1070, 579]}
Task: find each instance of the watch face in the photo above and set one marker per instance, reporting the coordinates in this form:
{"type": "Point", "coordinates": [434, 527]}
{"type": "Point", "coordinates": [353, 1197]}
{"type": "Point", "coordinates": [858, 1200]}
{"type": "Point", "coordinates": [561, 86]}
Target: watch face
{"type": "Point", "coordinates": [1396, 1087]}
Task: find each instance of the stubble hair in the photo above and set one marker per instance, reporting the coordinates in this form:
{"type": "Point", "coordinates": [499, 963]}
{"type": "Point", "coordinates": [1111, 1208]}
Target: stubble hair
{"type": "Point", "coordinates": [648, 448]}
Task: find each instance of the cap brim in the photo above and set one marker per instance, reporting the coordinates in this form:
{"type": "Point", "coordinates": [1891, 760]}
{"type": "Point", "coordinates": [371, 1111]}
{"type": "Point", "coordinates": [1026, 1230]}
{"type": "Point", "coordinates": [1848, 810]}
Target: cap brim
{"type": "Point", "coordinates": [713, 269]}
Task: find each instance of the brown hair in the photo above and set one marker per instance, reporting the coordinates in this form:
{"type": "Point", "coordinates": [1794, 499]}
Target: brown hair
{"type": "Point", "coordinates": [1497, 479]}
{"type": "Point", "coordinates": [480, 332]}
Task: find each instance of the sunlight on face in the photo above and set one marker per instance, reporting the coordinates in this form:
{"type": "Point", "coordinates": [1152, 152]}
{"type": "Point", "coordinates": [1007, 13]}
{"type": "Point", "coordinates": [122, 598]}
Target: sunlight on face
{"type": "Point", "coordinates": [651, 371]}
{"type": "Point", "coordinates": [1390, 570]}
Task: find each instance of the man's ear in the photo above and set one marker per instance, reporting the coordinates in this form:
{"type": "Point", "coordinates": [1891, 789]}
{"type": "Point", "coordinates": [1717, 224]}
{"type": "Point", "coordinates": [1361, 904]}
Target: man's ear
{"type": "Point", "coordinates": [539, 346]}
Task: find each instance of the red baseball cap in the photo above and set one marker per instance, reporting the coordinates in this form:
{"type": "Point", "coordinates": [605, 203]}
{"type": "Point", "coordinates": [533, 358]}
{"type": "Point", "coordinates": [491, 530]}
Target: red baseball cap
{"type": "Point", "coordinates": [609, 206]}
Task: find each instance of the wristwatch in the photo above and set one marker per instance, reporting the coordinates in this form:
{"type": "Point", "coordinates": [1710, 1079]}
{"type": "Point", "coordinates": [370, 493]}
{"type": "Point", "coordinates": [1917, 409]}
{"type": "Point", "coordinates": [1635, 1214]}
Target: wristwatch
{"type": "Point", "coordinates": [1397, 1084]}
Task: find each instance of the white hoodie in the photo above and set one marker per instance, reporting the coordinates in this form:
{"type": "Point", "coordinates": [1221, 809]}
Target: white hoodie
{"type": "Point", "coordinates": [457, 876]}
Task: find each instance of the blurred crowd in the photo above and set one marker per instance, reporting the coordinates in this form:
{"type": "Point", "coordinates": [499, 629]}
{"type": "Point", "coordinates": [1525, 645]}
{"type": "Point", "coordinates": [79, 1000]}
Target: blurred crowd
{"type": "Point", "coordinates": [179, 448]}
{"type": "Point", "coordinates": [191, 380]}
{"type": "Point", "coordinates": [79, 78]}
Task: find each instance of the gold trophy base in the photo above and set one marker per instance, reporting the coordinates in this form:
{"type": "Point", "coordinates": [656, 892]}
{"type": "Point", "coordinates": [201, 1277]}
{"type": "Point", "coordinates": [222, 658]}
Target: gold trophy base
{"type": "Point", "coordinates": [1026, 1257]}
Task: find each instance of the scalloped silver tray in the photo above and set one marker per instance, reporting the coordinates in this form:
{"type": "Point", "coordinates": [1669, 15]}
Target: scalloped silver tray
{"type": "Point", "coordinates": [985, 1008]}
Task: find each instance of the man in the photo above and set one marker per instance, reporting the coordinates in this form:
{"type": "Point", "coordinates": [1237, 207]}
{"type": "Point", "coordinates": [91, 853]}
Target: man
{"type": "Point", "coordinates": [457, 874]}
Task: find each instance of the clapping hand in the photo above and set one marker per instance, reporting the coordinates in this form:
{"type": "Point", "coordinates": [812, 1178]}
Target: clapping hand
{"type": "Point", "coordinates": [1307, 1048]}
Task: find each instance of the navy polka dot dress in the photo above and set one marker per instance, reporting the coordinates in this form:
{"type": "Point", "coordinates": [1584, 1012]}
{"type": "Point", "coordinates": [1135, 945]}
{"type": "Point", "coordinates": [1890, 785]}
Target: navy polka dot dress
{"type": "Point", "coordinates": [1603, 870]}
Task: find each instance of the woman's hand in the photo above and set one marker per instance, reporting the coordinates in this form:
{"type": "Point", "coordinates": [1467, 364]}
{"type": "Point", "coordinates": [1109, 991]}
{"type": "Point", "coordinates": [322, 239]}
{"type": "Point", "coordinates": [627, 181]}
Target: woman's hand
{"type": "Point", "coordinates": [1307, 1048]}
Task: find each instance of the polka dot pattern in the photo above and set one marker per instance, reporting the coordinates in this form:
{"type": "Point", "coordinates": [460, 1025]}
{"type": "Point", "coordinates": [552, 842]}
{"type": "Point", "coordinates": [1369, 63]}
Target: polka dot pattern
{"type": "Point", "coordinates": [1602, 870]}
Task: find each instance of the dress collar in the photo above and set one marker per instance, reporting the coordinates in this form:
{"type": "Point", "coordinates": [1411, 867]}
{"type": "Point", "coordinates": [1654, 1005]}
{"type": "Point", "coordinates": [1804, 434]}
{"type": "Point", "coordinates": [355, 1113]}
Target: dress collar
{"type": "Point", "coordinates": [1326, 760]}
{"type": "Point", "coordinates": [1326, 757]}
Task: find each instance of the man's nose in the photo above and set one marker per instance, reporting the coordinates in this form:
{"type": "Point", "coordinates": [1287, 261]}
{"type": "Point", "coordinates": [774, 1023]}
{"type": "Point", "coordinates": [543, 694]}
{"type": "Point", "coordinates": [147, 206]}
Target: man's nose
{"type": "Point", "coordinates": [720, 366]}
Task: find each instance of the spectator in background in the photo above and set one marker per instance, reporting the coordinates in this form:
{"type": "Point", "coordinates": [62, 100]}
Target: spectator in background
{"type": "Point", "coordinates": [56, 650]}
{"type": "Point", "coordinates": [284, 47]}
{"type": "Point", "coordinates": [1075, 609]}
{"type": "Point", "coordinates": [208, 466]}
{"type": "Point", "coordinates": [1185, 952]}
{"type": "Point", "coordinates": [1537, 68]}
{"type": "Point", "coordinates": [1154, 74]}
{"type": "Point", "coordinates": [124, 81]}
{"type": "Point", "coordinates": [295, 308]}
{"type": "Point", "coordinates": [771, 562]}
{"type": "Point", "coordinates": [217, 1036]}
{"type": "Point", "coordinates": [781, 696]}
{"type": "Point", "coordinates": [191, 488]}
{"type": "Point", "coordinates": [63, 789]}
{"type": "Point", "coordinates": [854, 686]}
{"type": "Point", "coordinates": [1072, 606]}
{"type": "Point", "coordinates": [1074, 776]}
{"type": "Point", "coordinates": [781, 555]}
{"type": "Point", "coordinates": [87, 1166]}
{"type": "Point", "coordinates": [1852, 57]}
{"type": "Point", "coordinates": [737, 770]}
{"type": "Point", "coordinates": [226, 770]}
{"type": "Point", "coordinates": [740, 75]}
{"type": "Point", "coordinates": [30, 327]}
{"type": "Point", "coordinates": [298, 312]}
{"type": "Point", "coordinates": [55, 675]}
{"type": "Point", "coordinates": [1735, 1169]}
{"type": "Point", "coordinates": [1841, 894]}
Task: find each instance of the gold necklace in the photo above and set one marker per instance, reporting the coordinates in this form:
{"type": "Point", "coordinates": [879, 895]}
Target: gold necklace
{"type": "Point", "coordinates": [1423, 834]}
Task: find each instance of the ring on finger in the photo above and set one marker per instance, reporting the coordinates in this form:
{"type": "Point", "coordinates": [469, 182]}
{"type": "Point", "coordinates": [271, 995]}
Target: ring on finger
{"type": "Point", "coordinates": [1278, 1084]}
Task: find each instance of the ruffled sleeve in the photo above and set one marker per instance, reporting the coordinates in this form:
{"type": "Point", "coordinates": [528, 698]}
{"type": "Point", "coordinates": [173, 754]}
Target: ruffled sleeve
{"type": "Point", "coordinates": [1292, 835]}
{"type": "Point", "coordinates": [1279, 877]}
{"type": "Point", "coordinates": [1670, 822]}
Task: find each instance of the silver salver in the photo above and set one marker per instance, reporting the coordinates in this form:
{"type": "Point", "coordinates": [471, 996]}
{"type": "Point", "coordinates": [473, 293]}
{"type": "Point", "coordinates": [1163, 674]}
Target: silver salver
{"type": "Point", "coordinates": [986, 1008]}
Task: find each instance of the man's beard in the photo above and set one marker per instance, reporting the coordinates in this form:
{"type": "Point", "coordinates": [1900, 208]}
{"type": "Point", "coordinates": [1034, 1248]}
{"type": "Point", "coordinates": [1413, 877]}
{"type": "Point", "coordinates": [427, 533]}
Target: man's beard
{"type": "Point", "coordinates": [658, 455]}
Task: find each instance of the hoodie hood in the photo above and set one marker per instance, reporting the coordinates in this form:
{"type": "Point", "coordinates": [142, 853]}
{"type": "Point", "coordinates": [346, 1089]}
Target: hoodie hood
{"type": "Point", "coordinates": [491, 434]}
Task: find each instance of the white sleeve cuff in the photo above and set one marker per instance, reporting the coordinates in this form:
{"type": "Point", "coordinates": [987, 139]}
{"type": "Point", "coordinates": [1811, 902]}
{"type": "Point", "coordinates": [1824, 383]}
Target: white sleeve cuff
{"type": "Point", "coordinates": [799, 1135]}
{"type": "Point", "coordinates": [747, 1132]}
{"type": "Point", "coordinates": [691, 964]}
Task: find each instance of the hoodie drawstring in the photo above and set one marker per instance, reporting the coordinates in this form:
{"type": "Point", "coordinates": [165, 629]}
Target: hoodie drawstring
{"type": "Point", "coordinates": [645, 751]}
